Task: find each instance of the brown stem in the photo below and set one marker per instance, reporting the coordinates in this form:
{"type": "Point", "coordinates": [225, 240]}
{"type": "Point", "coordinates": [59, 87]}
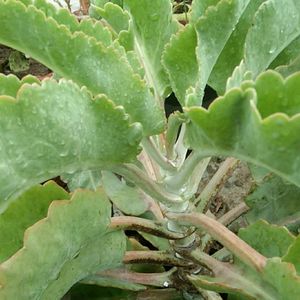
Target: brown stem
{"type": "Point", "coordinates": [151, 279]}
{"type": "Point", "coordinates": [148, 226]}
{"type": "Point", "coordinates": [233, 214]}
{"type": "Point", "coordinates": [214, 184]}
{"type": "Point", "coordinates": [219, 232]}
{"type": "Point", "coordinates": [154, 257]}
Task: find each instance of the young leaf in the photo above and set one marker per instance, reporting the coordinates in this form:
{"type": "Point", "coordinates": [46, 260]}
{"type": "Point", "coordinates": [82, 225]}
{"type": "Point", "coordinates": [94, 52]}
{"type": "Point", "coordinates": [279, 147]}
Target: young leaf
{"type": "Point", "coordinates": [152, 27]}
{"type": "Point", "coordinates": [233, 126]}
{"type": "Point", "coordinates": [84, 60]}
{"type": "Point", "coordinates": [56, 128]}
{"type": "Point", "coordinates": [24, 212]}
{"type": "Point", "coordinates": [72, 242]}
{"type": "Point", "coordinates": [128, 199]}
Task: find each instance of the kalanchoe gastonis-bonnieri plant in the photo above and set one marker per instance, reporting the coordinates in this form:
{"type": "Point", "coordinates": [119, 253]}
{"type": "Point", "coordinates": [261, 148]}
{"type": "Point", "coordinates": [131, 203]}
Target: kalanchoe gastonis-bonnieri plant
{"type": "Point", "coordinates": [100, 125]}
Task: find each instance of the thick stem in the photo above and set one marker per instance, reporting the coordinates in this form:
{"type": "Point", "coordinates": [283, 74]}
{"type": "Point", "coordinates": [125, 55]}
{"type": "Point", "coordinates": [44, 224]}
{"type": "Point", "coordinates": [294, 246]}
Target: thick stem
{"type": "Point", "coordinates": [180, 148]}
{"type": "Point", "coordinates": [151, 279]}
{"type": "Point", "coordinates": [212, 187]}
{"type": "Point", "coordinates": [219, 232]}
{"type": "Point", "coordinates": [156, 155]}
{"type": "Point", "coordinates": [148, 226]}
{"type": "Point", "coordinates": [154, 257]}
{"type": "Point", "coordinates": [134, 174]}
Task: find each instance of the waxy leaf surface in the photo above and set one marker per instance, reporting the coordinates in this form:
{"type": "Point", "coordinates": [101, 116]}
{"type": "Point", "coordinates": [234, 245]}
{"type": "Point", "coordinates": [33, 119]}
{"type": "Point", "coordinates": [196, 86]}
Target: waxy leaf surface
{"type": "Point", "coordinates": [72, 242]}
{"type": "Point", "coordinates": [56, 128]}
{"type": "Point", "coordinates": [253, 125]}
{"type": "Point", "coordinates": [153, 26]}
{"type": "Point", "coordinates": [73, 54]}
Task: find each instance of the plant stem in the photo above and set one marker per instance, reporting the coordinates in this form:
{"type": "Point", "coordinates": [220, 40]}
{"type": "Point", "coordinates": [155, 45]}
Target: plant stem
{"type": "Point", "coordinates": [233, 214]}
{"type": "Point", "coordinates": [180, 148]}
{"type": "Point", "coordinates": [148, 226]}
{"type": "Point", "coordinates": [136, 175]}
{"type": "Point", "coordinates": [212, 187]}
{"type": "Point", "coordinates": [156, 155]}
{"type": "Point", "coordinates": [185, 172]}
{"type": "Point", "coordinates": [154, 257]}
{"type": "Point", "coordinates": [219, 232]}
{"type": "Point", "coordinates": [174, 122]}
{"type": "Point", "coordinates": [152, 279]}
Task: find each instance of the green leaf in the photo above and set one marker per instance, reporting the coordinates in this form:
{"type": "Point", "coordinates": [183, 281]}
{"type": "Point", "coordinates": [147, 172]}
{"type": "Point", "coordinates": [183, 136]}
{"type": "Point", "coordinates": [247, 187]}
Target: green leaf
{"type": "Point", "coordinates": [9, 85]}
{"type": "Point", "coordinates": [192, 54]}
{"type": "Point", "coordinates": [213, 31]}
{"type": "Point", "coordinates": [292, 254]}
{"type": "Point", "coordinates": [152, 27]}
{"type": "Point", "coordinates": [115, 16]}
{"type": "Point", "coordinates": [24, 212]}
{"type": "Point", "coordinates": [291, 68]}
{"type": "Point", "coordinates": [275, 201]}
{"type": "Point", "coordinates": [264, 40]}
{"type": "Point", "coordinates": [199, 7]}
{"type": "Point", "coordinates": [71, 243]}
{"type": "Point", "coordinates": [85, 60]}
{"type": "Point", "coordinates": [84, 179]}
{"type": "Point", "coordinates": [233, 126]}
{"type": "Point", "coordinates": [233, 51]}
{"type": "Point", "coordinates": [269, 240]}
{"type": "Point", "coordinates": [181, 63]}
{"type": "Point", "coordinates": [56, 128]}
{"type": "Point", "coordinates": [128, 199]}
{"type": "Point", "coordinates": [283, 277]}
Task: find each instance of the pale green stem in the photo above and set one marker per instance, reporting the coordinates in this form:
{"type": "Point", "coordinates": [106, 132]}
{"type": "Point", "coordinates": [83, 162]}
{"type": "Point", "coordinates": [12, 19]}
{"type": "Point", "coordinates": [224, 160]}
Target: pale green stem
{"type": "Point", "coordinates": [219, 232]}
{"type": "Point", "coordinates": [148, 226]}
{"type": "Point", "coordinates": [180, 148]}
{"type": "Point", "coordinates": [174, 122]}
{"type": "Point", "coordinates": [212, 187]}
{"type": "Point", "coordinates": [233, 214]}
{"type": "Point", "coordinates": [153, 189]}
{"type": "Point", "coordinates": [157, 156]}
{"type": "Point", "coordinates": [177, 181]}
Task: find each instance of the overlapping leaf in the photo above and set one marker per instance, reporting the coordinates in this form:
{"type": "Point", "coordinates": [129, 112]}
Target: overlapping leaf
{"type": "Point", "coordinates": [29, 208]}
{"type": "Point", "coordinates": [205, 40]}
{"type": "Point", "coordinates": [79, 57]}
{"type": "Point", "coordinates": [72, 242]}
{"type": "Point", "coordinates": [56, 128]}
{"type": "Point", "coordinates": [253, 125]}
{"type": "Point", "coordinates": [152, 28]}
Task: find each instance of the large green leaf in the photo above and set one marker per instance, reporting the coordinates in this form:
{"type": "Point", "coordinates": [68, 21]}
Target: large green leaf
{"type": "Point", "coordinates": [72, 242]}
{"type": "Point", "coordinates": [253, 125]}
{"type": "Point", "coordinates": [24, 212]}
{"type": "Point", "coordinates": [56, 128]}
{"type": "Point", "coordinates": [80, 57]}
{"type": "Point", "coordinates": [152, 27]}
